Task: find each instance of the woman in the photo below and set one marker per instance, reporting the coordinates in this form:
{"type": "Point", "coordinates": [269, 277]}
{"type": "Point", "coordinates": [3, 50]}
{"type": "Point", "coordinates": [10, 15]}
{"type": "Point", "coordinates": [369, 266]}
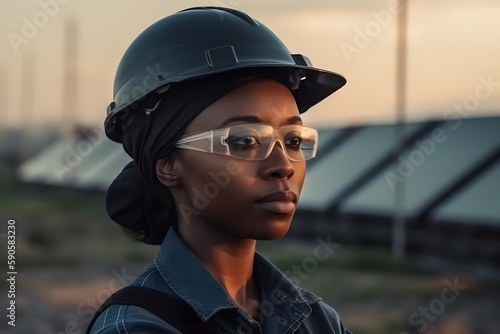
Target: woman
{"type": "Point", "coordinates": [208, 104]}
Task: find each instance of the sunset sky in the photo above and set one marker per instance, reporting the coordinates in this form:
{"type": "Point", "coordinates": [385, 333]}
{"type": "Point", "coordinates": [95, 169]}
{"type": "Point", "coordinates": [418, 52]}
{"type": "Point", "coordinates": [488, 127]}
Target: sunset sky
{"type": "Point", "coordinates": [454, 48]}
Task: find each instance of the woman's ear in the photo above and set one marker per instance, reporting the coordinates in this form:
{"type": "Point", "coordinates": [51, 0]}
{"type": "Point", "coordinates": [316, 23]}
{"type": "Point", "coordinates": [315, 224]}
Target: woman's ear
{"type": "Point", "coordinates": [167, 171]}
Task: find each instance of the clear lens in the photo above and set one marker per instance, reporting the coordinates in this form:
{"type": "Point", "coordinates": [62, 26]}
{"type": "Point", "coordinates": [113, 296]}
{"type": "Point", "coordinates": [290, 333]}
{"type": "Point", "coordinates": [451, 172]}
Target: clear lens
{"type": "Point", "coordinates": [256, 141]}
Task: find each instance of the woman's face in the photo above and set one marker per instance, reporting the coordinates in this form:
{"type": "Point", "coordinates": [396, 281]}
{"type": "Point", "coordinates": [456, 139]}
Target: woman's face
{"type": "Point", "coordinates": [245, 199]}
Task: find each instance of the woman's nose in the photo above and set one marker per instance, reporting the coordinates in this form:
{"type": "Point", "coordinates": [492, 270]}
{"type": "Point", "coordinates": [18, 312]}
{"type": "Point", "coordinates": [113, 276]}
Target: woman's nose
{"type": "Point", "coordinates": [277, 165]}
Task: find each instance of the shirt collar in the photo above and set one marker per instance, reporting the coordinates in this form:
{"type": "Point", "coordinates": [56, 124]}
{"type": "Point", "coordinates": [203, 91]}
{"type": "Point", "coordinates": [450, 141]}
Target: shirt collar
{"type": "Point", "coordinates": [190, 280]}
{"type": "Point", "coordinates": [184, 272]}
{"type": "Point", "coordinates": [278, 289]}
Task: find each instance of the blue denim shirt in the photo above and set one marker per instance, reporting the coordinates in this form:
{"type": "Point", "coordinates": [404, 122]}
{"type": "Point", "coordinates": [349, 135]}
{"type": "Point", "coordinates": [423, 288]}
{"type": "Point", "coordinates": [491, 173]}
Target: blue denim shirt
{"type": "Point", "coordinates": [284, 308]}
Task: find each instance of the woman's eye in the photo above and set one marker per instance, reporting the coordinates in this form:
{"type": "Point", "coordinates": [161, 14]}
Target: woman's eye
{"type": "Point", "coordinates": [248, 141]}
{"type": "Point", "coordinates": [294, 142]}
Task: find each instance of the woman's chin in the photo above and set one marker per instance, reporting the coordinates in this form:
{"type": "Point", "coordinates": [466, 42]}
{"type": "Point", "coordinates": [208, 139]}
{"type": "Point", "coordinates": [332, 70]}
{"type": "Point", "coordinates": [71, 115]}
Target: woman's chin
{"type": "Point", "coordinates": [272, 231]}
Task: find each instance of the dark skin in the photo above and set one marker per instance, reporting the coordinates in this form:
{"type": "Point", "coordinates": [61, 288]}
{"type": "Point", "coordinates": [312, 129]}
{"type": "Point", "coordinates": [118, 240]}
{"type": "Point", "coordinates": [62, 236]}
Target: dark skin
{"type": "Point", "coordinates": [223, 232]}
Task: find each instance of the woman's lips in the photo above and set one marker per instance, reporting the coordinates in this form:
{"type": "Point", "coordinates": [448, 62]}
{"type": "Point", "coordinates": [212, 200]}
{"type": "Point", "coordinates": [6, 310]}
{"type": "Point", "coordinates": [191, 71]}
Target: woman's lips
{"type": "Point", "coordinates": [280, 202]}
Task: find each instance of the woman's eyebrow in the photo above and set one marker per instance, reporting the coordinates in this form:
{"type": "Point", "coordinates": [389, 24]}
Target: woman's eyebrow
{"type": "Point", "coordinates": [294, 120]}
{"type": "Point", "coordinates": [249, 119]}
{"type": "Point", "coordinates": [255, 119]}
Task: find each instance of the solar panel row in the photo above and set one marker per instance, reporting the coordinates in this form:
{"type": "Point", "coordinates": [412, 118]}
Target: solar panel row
{"type": "Point", "coordinates": [450, 170]}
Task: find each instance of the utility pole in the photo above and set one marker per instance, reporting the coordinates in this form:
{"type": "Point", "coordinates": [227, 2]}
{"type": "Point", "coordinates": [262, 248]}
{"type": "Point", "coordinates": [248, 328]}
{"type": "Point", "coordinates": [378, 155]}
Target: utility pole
{"type": "Point", "coordinates": [70, 81]}
{"type": "Point", "coordinates": [399, 216]}
{"type": "Point", "coordinates": [27, 95]}
{"type": "Point", "coordinates": [70, 92]}
{"type": "Point", "coordinates": [4, 93]}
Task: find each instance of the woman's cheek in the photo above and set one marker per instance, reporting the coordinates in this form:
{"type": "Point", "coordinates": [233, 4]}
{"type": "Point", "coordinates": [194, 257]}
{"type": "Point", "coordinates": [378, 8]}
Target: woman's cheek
{"type": "Point", "coordinates": [217, 181]}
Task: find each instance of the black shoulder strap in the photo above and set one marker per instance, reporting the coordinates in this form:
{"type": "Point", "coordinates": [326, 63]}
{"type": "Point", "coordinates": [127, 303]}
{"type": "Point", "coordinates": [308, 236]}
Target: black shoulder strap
{"type": "Point", "coordinates": [171, 309]}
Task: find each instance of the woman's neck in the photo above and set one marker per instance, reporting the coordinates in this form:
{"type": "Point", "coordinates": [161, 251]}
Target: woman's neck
{"type": "Point", "coordinates": [229, 260]}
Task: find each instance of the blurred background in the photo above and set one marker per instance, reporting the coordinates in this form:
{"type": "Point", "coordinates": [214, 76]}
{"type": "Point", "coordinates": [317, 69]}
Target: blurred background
{"type": "Point", "coordinates": [406, 183]}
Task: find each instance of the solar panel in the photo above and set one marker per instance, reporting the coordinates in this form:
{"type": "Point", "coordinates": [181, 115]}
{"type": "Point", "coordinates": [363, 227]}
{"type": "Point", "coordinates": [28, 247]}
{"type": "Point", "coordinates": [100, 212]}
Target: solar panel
{"type": "Point", "coordinates": [79, 164]}
{"type": "Point", "coordinates": [479, 202]}
{"type": "Point", "coordinates": [428, 166]}
{"type": "Point", "coordinates": [338, 168]}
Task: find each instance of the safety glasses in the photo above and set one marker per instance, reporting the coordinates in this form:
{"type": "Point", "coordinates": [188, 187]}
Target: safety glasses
{"type": "Point", "coordinates": [254, 141]}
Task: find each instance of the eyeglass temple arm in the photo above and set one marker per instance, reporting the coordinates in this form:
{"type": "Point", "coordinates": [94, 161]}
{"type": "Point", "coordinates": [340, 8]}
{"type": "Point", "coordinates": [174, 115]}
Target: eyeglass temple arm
{"type": "Point", "coordinates": [208, 137]}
